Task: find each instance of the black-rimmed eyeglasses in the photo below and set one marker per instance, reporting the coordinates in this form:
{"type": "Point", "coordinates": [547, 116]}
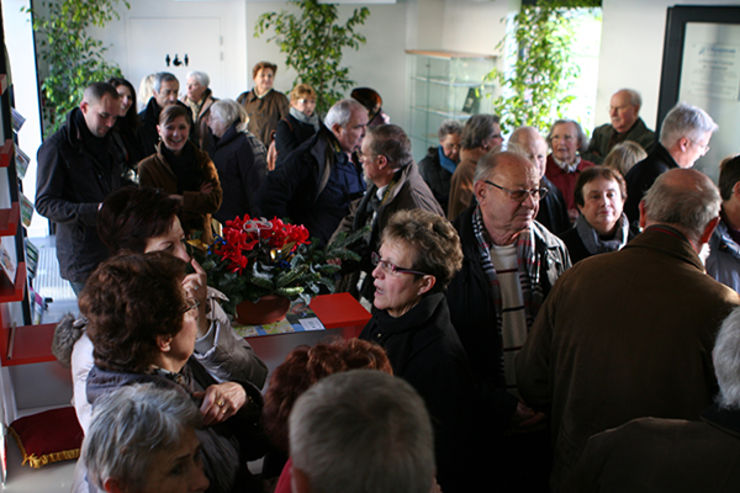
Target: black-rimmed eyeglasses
{"type": "Point", "coordinates": [521, 195]}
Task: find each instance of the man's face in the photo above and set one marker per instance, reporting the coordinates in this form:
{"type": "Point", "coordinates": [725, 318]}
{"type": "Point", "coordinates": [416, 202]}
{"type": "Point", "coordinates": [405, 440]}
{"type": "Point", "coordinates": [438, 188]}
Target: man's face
{"type": "Point", "coordinates": [694, 150]}
{"type": "Point", "coordinates": [100, 116]}
{"type": "Point", "coordinates": [504, 216]}
{"type": "Point", "coordinates": [536, 149]}
{"type": "Point", "coordinates": [369, 160]}
{"type": "Point", "coordinates": [195, 89]}
{"type": "Point", "coordinates": [622, 112]}
{"type": "Point", "coordinates": [167, 94]}
{"type": "Point", "coordinates": [602, 204]}
{"type": "Point", "coordinates": [351, 134]}
{"type": "Point", "coordinates": [564, 142]}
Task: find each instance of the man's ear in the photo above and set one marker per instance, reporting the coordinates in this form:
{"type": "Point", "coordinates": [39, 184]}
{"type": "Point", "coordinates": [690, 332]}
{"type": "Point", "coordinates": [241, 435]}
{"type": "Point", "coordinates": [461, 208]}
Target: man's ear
{"type": "Point", "coordinates": [336, 129]}
{"type": "Point", "coordinates": [164, 343]}
{"type": "Point", "coordinates": [299, 481]}
{"type": "Point", "coordinates": [111, 485]}
{"type": "Point", "coordinates": [684, 143]}
{"type": "Point", "coordinates": [643, 216]}
{"type": "Point", "coordinates": [479, 190]}
{"type": "Point", "coordinates": [84, 106]}
{"type": "Point", "coordinates": [736, 189]}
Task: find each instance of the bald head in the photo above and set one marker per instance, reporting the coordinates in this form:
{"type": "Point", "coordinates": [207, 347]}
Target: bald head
{"type": "Point", "coordinates": [685, 199]}
{"type": "Point", "coordinates": [528, 142]}
{"type": "Point", "coordinates": [624, 108]}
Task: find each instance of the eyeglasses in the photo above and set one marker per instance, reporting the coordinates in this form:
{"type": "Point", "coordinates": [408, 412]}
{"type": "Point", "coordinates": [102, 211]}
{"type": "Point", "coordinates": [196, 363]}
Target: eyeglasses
{"type": "Point", "coordinates": [521, 195]}
{"type": "Point", "coordinates": [392, 268]}
{"type": "Point", "coordinates": [190, 305]}
{"type": "Point", "coordinates": [704, 147]}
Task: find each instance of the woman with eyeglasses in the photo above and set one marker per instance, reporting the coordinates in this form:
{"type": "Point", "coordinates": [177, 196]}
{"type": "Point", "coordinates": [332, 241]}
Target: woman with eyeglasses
{"type": "Point", "coordinates": [143, 328]}
{"type": "Point", "coordinates": [419, 253]}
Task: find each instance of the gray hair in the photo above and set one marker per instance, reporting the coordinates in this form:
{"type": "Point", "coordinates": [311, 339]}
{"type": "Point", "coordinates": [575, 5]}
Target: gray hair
{"type": "Point", "coordinates": [161, 77]}
{"type": "Point", "coordinates": [201, 77]}
{"type": "Point", "coordinates": [377, 440]}
{"type": "Point", "coordinates": [685, 120]}
{"type": "Point", "coordinates": [635, 98]}
{"type": "Point", "coordinates": [685, 198]}
{"type": "Point", "coordinates": [129, 426]}
{"type": "Point", "coordinates": [477, 129]}
{"type": "Point", "coordinates": [450, 127]}
{"type": "Point", "coordinates": [726, 358]}
{"type": "Point", "coordinates": [341, 112]}
{"type": "Point", "coordinates": [392, 142]}
{"type": "Point", "coordinates": [488, 163]}
{"type": "Point", "coordinates": [229, 111]}
{"type": "Point", "coordinates": [580, 134]}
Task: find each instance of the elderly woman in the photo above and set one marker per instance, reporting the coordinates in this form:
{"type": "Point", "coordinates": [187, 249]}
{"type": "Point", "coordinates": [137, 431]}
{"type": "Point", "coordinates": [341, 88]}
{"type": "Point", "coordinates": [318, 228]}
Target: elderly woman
{"type": "Point", "coordinates": [419, 253]}
{"type": "Point", "coordinates": [263, 104]}
{"type": "Point", "coordinates": [301, 122]}
{"type": "Point", "coordinates": [143, 329]}
{"type": "Point", "coordinates": [199, 99]}
{"type": "Point", "coordinates": [182, 170]}
{"type": "Point", "coordinates": [566, 140]}
{"type": "Point", "coordinates": [303, 367]}
{"type": "Point", "coordinates": [142, 439]}
{"type": "Point", "coordinates": [440, 162]}
{"type": "Point", "coordinates": [601, 225]}
{"type": "Point", "coordinates": [240, 174]}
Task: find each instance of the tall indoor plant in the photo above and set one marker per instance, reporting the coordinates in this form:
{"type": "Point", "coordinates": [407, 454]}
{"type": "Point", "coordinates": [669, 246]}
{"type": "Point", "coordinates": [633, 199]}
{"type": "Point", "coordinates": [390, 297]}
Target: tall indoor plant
{"type": "Point", "coordinates": [313, 41]}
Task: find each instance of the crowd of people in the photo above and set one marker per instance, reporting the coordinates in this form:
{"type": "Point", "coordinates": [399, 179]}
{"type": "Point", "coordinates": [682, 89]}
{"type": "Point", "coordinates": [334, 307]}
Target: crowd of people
{"type": "Point", "coordinates": [541, 303]}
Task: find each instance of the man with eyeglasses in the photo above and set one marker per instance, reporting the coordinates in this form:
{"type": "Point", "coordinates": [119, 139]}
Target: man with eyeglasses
{"type": "Point", "coordinates": [510, 264]}
{"type": "Point", "coordinates": [684, 138]}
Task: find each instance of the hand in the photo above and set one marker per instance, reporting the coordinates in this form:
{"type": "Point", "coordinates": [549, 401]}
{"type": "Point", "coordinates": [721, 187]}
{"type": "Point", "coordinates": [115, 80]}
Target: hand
{"type": "Point", "coordinates": [206, 188]}
{"type": "Point", "coordinates": [195, 287]}
{"type": "Point", "coordinates": [221, 401]}
{"type": "Point", "coordinates": [525, 417]}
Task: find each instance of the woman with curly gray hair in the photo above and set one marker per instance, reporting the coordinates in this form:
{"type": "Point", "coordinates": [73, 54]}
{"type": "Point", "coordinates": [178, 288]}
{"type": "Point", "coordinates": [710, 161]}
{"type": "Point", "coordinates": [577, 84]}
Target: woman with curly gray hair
{"type": "Point", "coordinates": [419, 253]}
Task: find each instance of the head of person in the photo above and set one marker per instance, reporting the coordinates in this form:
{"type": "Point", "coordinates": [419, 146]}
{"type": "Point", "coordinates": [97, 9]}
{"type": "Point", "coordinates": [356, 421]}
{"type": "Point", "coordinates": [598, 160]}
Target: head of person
{"type": "Point", "coordinates": [385, 149]}
{"type": "Point", "coordinates": [419, 254]}
{"type": "Point", "coordinates": [529, 142]}
{"type": "Point", "coordinates": [347, 119]}
{"type": "Point", "coordinates": [100, 108]}
{"type": "Point", "coordinates": [686, 132]}
{"type": "Point", "coordinates": [378, 438]}
{"type": "Point", "coordinates": [726, 359]}
{"type": "Point", "coordinates": [507, 187]}
{"type": "Point", "coordinates": [482, 132]}
{"type": "Point", "coordinates": [624, 109]}
{"type": "Point", "coordinates": [223, 114]}
{"type": "Point", "coordinates": [729, 178]}
{"type": "Point", "coordinates": [263, 74]}
{"type": "Point", "coordinates": [303, 99]}
{"type": "Point", "coordinates": [566, 139]}
{"type": "Point", "coordinates": [165, 88]}
{"type": "Point", "coordinates": [685, 199]}
{"type": "Point", "coordinates": [624, 156]}
{"type": "Point", "coordinates": [174, 127]}
{"type": "Point", "coordinates": [142, 440]}
{"type": "Point", "coordinates": [305, 366]}
{"type": "Point", "coordinates": [141, 220]}
{"type": "Point", "coordinates": [369, 98]}
{"type": "Point", "coordinates": [146, 88]}
{"type": "Point", "coordinates": [127, 98]}
{"type": "Point", "coordinates": [450, 136]}
{"type": "Point", "coordinates": [138, 313]}
{"type": "Point", "coordinates": [600, 194]}
{"type": "Point", "coordinates": [197, 85]}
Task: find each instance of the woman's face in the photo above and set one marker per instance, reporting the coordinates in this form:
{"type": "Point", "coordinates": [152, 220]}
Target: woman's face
{"type": "Point", "coordinates": [125, 97]}
{"type": "Point", "coordinates": [174, 134]}
{"type": "Point", "coordinates": [217, 126]}
{"type": "Point", "coordinates": [602, 205]}
{"type": "Point", "coordinates": [172, 242]}
{"type": "Point", "coordinates": [396, 292]}
{"type": "Point", "coordinates": [564, 142]}
{"type": "Point", "coordinates": [451, 146]}
{"type": "Point", "coordinates": [179, 469]}
{"type": "Point", "coordinates": [305, 105]}
{"type": "Point", "coordinates": [263, 80]}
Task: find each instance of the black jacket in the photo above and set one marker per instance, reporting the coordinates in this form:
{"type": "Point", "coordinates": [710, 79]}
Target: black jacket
{"type": "Point", "coordinates": [641, 177]}
{"type": "Point", "coordinates": [436, 177]}
{"type": "Point", "coordinates": [241, 177]}
{"type": "Point", "coordinates": [73, 178]}
{"type": "Point", "coordinates": [553, 213]}
{"type": "Point", "coordinates": [290, 134]}
{"type": "Point", "coordinates": [147, 134]}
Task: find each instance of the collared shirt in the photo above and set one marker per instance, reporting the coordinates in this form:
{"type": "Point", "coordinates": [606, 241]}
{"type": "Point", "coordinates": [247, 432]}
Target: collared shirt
{"type": "Point", "coordinates": [568, 168]}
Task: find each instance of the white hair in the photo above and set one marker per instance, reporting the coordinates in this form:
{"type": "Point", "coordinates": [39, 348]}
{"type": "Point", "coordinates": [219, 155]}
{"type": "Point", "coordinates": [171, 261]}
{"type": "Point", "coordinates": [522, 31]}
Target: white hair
{"type": "Point", "coordinates": [341, 112]}
{"type": "Point", "coordinates": [726, 358]}
{"type": "Point", "coordinates": [685, 120]}
{"type": "Point", "coordinates": [201, 77]}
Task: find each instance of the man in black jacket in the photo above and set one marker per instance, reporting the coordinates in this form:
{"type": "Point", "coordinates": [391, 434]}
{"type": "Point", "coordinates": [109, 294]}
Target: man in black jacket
{"type": "Point", "coordinates": [78, 166]}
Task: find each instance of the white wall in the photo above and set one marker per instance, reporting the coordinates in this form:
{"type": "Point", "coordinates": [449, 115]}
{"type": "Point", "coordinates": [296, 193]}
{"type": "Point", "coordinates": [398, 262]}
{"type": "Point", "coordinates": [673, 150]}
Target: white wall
{"type": "Point", "coordinates": [631, 52]}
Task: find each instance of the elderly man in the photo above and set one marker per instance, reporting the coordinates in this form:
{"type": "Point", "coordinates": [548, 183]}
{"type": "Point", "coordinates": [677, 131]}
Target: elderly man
{"type": "Point", "coordinates": [654, 454]}
{"type": "Point", "coordinates": [626, 124]}
{"type": "Point", "coordinates": [723, 262]}
{"type": "Point", "coordinates": [566, 139]}
{"type": "Point", "coordinates": [78, 166]}
{"type": "Point", "coordinates": [395, 184]}
{"type": "Point", "coordinates": [165, 89]}
{"type": "Point", "coordinates": [318, 181]}
{"type": "Point", "coordinates": [552, 214]}
{"type": "Point", "coordinates": [361, 430]}
{"type": "Point", "coordinates": [684, 138]}
{"type": "Point", "coordinates": [480, 133]}
{"type": "Point", "coordinates": [627, 334]}
{"type": "Point", "coordinates": [199, 99]}
{"type": "Point", "coordinates": [510, 264]}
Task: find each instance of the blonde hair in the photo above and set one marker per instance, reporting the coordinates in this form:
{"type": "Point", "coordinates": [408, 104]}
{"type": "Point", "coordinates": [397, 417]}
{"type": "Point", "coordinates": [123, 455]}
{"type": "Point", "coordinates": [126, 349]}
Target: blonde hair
{"type": "Point", "coordinates": [624, 156]}
{"type": "Point", "coordinates": [302, 91]}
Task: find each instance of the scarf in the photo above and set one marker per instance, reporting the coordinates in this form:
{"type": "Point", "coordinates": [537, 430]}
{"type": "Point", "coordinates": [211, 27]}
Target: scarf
{"type": "Point", "coordinates": [189, 175]}
{"type": "Point", "coordinates": [312, 120]}
{"type": "Point", "coordinates": [594, 243]}
{"type": "Point", "coordinates": [446, 162]}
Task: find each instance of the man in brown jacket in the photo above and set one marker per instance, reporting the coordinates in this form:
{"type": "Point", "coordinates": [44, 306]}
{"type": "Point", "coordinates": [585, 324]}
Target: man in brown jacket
{"type": "Point", "coordinates": [628, 334]}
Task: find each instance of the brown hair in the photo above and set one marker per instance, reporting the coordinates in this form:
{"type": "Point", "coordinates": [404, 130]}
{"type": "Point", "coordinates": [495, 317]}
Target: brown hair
{"type": "Point", "coordinates": [595, 172]}
{"type": "Point", "coordinates": [260, 65]}
{"type": "Point", "coordinates": [302, 91]}
{"type": "Point", "coordinates": [169, 113]}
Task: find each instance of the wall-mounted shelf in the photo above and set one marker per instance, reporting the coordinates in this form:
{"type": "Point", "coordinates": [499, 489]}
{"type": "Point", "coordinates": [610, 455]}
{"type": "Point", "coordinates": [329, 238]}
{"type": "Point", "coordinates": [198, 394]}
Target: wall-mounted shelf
{"type": "Point", "coordinates": [15, 291]}
{"type": "Point", "coordinates": [30, 344]}
{"type": "Point", "coordinates": [6, 152]}
{"type": "Point", "coordinates": [9, 219]}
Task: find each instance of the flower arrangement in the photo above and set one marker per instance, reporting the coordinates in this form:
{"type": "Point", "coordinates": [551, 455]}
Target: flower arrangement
{"type": "Point", "coordinates": [255, 257]}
